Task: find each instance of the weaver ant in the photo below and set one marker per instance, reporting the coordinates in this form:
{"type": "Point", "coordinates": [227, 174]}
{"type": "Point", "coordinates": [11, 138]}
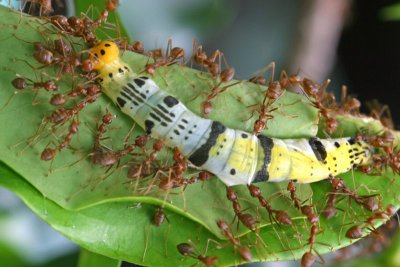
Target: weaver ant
{"type": "Point", "coordinates": [187, 250]}
{"type": "Point", "coordinates": [159, 216]}
{"type": "Point", "coordinates": [244, 251]}
{"type": "Point", "coordinates": [368, 202]}
{"type": "Point", "coordinates": [172, 56]}
{"type": "Point", "coordinates": [245, 218]}
{"type": "Point", "coordinates": [357, 231]}
{"type": "Point", "coordinates": [272, 93]}
{"type": "Point", "coordinates": [200, 58]}
{"type": "Point", "coordinates": [50, 153]}
{"type": "Point", "coordinates": [225, 76]}
{"type": "Point", "coordinates": [277, 215]}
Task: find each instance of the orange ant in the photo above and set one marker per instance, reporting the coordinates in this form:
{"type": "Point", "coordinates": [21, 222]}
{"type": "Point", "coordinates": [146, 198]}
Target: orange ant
{"type": "Point", "coordinates": [159, 216]}
{"type": "Point", "coordinates": [61, 99]}
{"type": "Point", "coordinates": [101, 129]}
{"type": "Point", "coordinates": [172, 56]}
{"type": "Point", "coordinates": [187, 250]}
{"type": "Point", "coordinates": [145, 167]}
{"type": "Point", "coordinates": [356, 231]}
{"type": "Point", "coordinates": [136, 46]}
{"type": "Point", "coordinates": [246, 218]}
{"type": "Point", "coordinates": [349, 104]}
{"type": "Point", "coordinates": [109, 158]}
{"type": "Point", "coordinates": [244, 251]}
{"type": "Point", "coordinates": [61, 115]}
{"type": "Point", "coordinates": [273, 92]}
{"type": "Point", "coordinates": [175, 178]}
{"type": "Point", "coordinates": [307, 258]}
{"type": "Point", "coordinates": [50, 153]}
{"type": "Point", "coordinates": [200, 58]}
{"type": "Point", "coordinates": [306, 210]}
{"type": "Point", "coordinates": [368, 202]}
{"type": "Point", "coordinates": [381, 112]}
{"type": "Point", "coordinates": [277, 215]}
{"type": "Point", "coordinates": [225, 76]}
{"type": "Point", "coordinates": [390, 156]}
{"type": "Point", "coordinates": [329, 210]}
{"type": "Point", "coordinates": [321, 100]}
{"type": "Point", "coordinates": [62, 55]}
{"type": "Point", "coordinates": [20, 83]}
{"type": "Point", "coordinates": [80, 27]}
{"type": "Point", "coordinates": [375, 243]}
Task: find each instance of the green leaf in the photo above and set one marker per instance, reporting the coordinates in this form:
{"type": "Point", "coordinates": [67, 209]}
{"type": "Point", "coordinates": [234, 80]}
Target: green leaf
{"type": "Point", "coordinates": [109, 214]}
{"type": "Point", "coordinates": [90, 259]}
{"type": "Point", "coordinates": [391, 12]}
{"type": "Point", "coordinates": [9, 257]}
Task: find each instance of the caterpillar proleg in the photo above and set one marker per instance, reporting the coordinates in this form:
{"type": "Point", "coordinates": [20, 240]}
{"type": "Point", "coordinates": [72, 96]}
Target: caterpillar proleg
{"type": "Point", "coordinates": [234, 156]}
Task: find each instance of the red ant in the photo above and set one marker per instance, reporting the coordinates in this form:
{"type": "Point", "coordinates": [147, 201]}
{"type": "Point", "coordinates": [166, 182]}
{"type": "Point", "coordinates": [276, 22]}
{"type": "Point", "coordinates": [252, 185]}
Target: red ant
{"type": "Point", "coordinates": [136, 46]}
{"type": "Point", "coordinates": [187, 250]}
{"type": "Point", "coordinates": [50, 153]}
{"type": "Point", "coordinates": [381, 113]}
{"type": "Point", "coordinates": [390, 156]}
{"type": "Point", "coordinates": [245, 218]}
{"type": "Point", "coordinates": [308, 258]}
{"type": "Point", "coordinates": [368, 202]}
{"type": "Point", "coordinates": [356, 231]}
{"type": "Point", "coordinates": [62, 115]}
{"type": "Point", "coordinates": [81, 27]}
{"type": "Point", "coordinates": [200, 57]}
{"type": "Point", "coordinates": [21, 83]}
{"type": "Point", "coordinates": [109, 158]}
{"type": "Point", "coordinates": [144, 168]}
{"type": "Point", "coordinates": [329, 210]}
{"type": "Point", "coordinates": [175, 178]}
{"type": "Point", "coordinates": [244, 251]}
{"type": "Point", "coordinates": [273, 92]}
{"type": "Point", "coordinates": [159, 216]}
{"type": "Point", "coordinates": [62, 56]}
{"type": "Point", "coordinates": [279, 215]}
{"type": "Point", "coordinates": [306, 210]}
{"type": "Point", "coordinates": [172, 55]}
{"type": "Point", "coordinates": [321, 100]}
{"type": "Point", "coordinates": [225, 76]}
{"type": "Point", "coordinates": [349, 104]}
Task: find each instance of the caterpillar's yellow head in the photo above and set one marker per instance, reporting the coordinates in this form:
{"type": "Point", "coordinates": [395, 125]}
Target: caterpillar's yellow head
{"type": "Point", "coordinates": [104, 53]}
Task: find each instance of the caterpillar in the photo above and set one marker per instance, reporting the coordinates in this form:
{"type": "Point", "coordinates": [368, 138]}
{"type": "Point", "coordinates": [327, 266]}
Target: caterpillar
{"type": "Point", "coordinates": [234, 156]}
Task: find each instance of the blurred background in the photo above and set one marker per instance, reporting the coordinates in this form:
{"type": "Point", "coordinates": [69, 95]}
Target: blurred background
{"type": "Point", "coordinates": [355, 43]}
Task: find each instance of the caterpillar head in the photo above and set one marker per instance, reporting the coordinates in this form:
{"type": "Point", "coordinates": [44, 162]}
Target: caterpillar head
{"type": "Point", "coordinates": [104, 53]}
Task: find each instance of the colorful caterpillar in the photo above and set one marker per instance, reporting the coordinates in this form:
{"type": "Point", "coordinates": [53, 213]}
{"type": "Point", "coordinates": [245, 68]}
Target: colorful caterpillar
{"type": "Point", "coordinates": [235, 156]}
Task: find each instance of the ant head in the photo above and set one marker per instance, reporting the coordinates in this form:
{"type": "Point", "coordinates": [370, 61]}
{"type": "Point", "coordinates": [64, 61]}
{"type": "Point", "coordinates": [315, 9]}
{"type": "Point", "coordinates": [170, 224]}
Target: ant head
{"type": "Point", "coordinates": [104, 53]}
